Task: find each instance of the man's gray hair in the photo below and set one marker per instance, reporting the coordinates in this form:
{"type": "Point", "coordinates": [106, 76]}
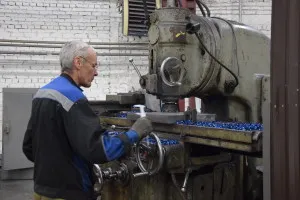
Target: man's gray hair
{"type": "Point", "coordinates": [69, 51]}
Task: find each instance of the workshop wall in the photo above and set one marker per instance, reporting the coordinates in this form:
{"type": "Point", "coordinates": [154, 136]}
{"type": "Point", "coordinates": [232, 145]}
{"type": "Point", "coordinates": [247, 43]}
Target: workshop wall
{"type": "Point", "coordinates": [91, 21]}
{"type": "Point", "coordinates": [255, 13]}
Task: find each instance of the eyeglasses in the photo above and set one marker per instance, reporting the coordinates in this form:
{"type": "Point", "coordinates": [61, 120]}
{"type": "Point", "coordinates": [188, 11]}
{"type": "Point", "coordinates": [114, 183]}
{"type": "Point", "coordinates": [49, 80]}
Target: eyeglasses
{"type": "Point", "coordinates": [95, 66]}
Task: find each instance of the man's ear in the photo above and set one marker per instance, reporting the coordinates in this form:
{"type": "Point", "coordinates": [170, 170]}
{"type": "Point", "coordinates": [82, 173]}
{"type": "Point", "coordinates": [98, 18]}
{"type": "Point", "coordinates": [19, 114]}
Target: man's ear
{"type": "Point", "coordinates": [77, 62]}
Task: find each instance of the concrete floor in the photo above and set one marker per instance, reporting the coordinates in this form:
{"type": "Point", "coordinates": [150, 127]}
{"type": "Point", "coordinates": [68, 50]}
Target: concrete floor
{"type": "Point", "coordinates": [16, 190]}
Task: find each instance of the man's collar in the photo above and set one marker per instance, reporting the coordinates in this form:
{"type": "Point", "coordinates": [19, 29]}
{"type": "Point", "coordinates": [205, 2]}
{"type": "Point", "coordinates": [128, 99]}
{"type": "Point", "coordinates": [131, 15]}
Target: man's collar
{"type": "Point", "coordinates": [70, 79]}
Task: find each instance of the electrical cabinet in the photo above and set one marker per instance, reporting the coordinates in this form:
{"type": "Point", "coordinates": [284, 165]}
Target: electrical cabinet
{"type": "Point", "coordinates": [15, 116]}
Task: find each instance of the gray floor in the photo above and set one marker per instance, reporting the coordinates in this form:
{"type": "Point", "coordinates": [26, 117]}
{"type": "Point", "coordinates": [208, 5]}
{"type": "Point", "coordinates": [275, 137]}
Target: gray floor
{"type": "Point", "coordinates": [16, 190]}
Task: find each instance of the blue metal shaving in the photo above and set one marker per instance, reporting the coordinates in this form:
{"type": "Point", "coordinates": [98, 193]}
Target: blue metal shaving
{"type": "Point", "coordinates": [240, 126]}
{"type": "Point", "coordinates": [148, 139]}
{"type": "Point", "coordinates": [112, 133]}
{"type": "Point", "coordinates": [122, 115]}
{"type": "Point", "coordinates": [163, 141]}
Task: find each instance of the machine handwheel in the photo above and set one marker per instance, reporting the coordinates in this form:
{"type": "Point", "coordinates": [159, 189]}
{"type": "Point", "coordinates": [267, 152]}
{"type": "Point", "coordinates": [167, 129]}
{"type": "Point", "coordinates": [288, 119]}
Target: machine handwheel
{"type": "Point", "coordinates": [98, 172]}
{"type": "Point", "coordinates": [160, 156]}
{"type": "Point", "coordinates": [175, 69]}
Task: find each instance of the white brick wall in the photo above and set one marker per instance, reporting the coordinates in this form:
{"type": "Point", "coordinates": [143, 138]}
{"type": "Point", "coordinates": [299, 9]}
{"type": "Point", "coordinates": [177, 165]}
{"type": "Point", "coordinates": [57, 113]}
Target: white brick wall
{"type": "Point", "coordinates": [57, 20]}
{"type": "Point", "coordinates": [255, 13]}
{"type": "Point", "coordinates": [91, 21]}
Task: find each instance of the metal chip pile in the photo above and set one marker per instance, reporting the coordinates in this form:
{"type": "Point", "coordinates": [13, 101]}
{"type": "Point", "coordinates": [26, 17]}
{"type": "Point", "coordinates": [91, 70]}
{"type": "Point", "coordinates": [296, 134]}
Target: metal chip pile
{"type": "Point", "coordinates": [240, 126]}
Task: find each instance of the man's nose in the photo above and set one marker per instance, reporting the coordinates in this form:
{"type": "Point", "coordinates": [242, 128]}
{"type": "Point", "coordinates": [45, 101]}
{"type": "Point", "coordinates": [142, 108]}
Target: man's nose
{"type": "Point", "coordinates": [96, 73]}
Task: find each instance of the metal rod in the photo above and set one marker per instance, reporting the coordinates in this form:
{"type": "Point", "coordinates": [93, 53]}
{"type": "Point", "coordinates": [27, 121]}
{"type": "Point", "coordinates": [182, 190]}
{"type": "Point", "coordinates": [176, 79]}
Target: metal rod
{"type": "Point", "coordinates": [57, 53]}
{"type": "Point", "coordinates": [240, 10]}
{"type": "Point", "coordinates": [140, 174]}
{"type": "Point", "coordinates": [134, 66]}
{"type": "Point", "coordinates": [183, 197]}
{"type": "Point", "coordinates": [63, 42]}
{"type": "Point", "coordinates": [183, 188]}
{"type": "Point", "coordinates": [59, 46]}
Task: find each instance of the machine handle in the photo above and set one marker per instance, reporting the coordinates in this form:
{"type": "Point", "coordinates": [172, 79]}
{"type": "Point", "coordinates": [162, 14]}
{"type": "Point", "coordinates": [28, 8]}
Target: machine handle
{"type": "Point", "coordinates": [183, 188]}
{"type": "Point", "coordinates": [98, 172]}
{"type": "Point", "coordinates": [140, 174]}
{"type": "Point", "coordinates": [134, 66]}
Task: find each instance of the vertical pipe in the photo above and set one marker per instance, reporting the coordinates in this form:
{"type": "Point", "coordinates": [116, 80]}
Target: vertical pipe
{"type": "Point", "coordinates": [158, 4]}
{"type": "Point", "coordinates": [240, 11]}
{"type": "Point", "coordinates": [125, 17]}
{"type": "Point", "coordinates": [266, 138]}
{"type": "Point", "coordinates": [171, 3]}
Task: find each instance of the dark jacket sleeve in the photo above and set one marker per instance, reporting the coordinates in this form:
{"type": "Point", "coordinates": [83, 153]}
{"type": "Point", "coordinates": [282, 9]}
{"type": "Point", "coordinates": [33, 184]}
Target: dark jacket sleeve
{"type": "Point", "coordinates": [27, 141]}
{"type": "Point", "coordinates": [87, 137]}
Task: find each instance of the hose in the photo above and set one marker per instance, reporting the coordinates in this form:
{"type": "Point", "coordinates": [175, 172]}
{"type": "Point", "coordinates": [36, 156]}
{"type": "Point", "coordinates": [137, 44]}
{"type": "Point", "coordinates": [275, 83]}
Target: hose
{"type": "Point", "coordinates": [199, 2]}
{"type": "Point", "coordinates": [235, 40]}
{"type": "Point", "coordinates": [222, 65]}
{"type": "Point", "coordinates": [201, 8]}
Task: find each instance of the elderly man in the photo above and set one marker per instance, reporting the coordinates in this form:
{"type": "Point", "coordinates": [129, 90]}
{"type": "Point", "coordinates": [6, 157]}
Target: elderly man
{"type": "Point", "coordinates": [64, 138]}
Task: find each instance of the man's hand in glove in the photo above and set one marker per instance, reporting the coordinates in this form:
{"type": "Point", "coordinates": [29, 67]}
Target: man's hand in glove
{"type": "Point", "coordinates": [142, 126]}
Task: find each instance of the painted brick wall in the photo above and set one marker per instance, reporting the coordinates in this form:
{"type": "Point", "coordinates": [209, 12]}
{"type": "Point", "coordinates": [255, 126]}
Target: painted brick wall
{"type": "Point", "coordinates": [57, 20]}
{"type": "Point", "coordinates": [94, 21]}
{"type": "Point", "coordinates": [255, 13]}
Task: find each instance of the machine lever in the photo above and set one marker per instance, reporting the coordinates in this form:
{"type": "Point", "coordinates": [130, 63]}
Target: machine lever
{"type": "Point", "coordinates": [183, 188]}
{"type": "Point", "coordinates": [140, 174]}
{"type": "Point", "coordinates": [134, 66]}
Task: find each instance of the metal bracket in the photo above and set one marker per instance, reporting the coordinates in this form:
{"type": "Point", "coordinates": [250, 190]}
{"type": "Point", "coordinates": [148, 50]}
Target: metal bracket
{"type": "Point", "coordinates": [190, 114]}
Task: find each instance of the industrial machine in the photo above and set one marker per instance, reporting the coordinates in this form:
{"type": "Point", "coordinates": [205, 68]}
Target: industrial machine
{"type": "Point", "coordinates": [212, 155]}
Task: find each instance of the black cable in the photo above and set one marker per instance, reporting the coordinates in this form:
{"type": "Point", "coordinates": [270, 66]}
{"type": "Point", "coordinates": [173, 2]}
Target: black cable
{"type": "Point", "coordinates": [235, 40]}
{"type": "Point", "coordinates": [201, 8]}
{"type": "Point", "coordinates": [235, 77]}
{"type": "Point", "coordinates": [205, 6]}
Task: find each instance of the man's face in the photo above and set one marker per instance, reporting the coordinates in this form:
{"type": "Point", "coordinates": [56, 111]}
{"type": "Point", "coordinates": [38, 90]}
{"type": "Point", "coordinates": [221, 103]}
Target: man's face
{"type": "Point", "coordinates": [87, 69]}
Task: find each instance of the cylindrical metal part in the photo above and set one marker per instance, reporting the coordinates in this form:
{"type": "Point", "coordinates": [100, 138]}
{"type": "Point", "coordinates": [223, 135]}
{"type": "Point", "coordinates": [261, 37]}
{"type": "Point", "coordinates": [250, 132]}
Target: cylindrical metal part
{"type": "Point", "coordinates": [57, 53]}
{"type": "Point", "coordinates": [128, 47]}
{"type": "Point", "coordinates": [171, 3]}
{"type": "Point", "coordinates": [174, 156]}
{"type": "Point", "coordinates": [63, 42]}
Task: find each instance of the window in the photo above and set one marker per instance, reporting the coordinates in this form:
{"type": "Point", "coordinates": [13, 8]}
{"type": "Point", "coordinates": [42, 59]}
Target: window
{"type": "Point", "coordinates": [134, 16]}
